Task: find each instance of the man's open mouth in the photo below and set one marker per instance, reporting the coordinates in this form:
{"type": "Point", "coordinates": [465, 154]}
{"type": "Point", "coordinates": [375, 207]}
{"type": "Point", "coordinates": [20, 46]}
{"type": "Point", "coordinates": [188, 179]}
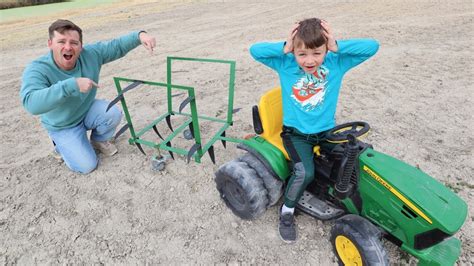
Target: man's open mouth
{"type": "Point", "coordinates": [67, 56]}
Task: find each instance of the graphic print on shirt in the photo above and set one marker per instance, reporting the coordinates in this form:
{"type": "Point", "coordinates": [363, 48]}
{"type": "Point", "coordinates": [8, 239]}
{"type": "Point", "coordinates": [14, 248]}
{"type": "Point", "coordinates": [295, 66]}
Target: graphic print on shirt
{"type": "Point", "coordinates": [308, 92]}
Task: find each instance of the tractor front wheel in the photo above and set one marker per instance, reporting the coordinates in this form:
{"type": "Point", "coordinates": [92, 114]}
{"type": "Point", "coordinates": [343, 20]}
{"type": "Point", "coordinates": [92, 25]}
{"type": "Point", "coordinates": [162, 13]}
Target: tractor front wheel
{"type": "Point", "coordinates": [241, 189]}
{"type": "Point", "coordinates": [356, 241]}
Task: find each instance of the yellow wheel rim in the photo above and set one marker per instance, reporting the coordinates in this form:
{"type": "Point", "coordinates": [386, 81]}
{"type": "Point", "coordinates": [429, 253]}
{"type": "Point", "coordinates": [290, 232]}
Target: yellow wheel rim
{"type": "Point", "coordinates": [347, 251]}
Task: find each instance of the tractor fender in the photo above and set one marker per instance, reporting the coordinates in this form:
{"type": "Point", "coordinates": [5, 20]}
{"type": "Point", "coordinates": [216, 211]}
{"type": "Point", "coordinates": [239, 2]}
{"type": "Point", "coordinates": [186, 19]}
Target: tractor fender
{"type": "Point", "coordinates": [270, 156]}
{"type": "Point", "coordinates": [361, 224]}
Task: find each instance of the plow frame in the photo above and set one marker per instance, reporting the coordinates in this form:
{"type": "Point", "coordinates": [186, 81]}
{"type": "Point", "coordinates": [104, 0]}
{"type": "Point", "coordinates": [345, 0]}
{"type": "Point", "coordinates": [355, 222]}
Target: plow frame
{"type": "Point", "coordinates": [199, 148]}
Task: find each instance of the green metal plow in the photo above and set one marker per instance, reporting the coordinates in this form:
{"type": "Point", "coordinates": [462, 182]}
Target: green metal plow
{"type": "Point", "coordinates": [199, 148]}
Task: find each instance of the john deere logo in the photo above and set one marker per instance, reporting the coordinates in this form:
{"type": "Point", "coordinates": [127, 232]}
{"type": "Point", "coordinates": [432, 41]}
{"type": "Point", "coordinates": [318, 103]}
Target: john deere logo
{"type": "Point", "coordinates": [376, 177]}
{"type": "Point", "coordinates": [396, 193]}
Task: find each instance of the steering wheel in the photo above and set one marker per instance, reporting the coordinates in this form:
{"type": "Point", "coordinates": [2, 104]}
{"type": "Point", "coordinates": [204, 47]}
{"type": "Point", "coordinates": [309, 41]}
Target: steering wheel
{"type": "Point", "coordinates": [340, 133]}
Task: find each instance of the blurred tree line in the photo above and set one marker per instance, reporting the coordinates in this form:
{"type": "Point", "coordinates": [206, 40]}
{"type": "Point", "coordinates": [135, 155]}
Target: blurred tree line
{"type": "Point", "coordinates": [4, 4]}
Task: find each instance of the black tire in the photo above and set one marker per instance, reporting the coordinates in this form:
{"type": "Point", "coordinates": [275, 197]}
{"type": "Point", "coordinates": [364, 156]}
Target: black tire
{"type": "Point", "coordinates": [241, 189]}
{"type": "Point", "coordinates": [271, 182]}
{"type": "Point", "coordinates": [187, 134]}
{"type": "Point", "coordinates": [356, 239]}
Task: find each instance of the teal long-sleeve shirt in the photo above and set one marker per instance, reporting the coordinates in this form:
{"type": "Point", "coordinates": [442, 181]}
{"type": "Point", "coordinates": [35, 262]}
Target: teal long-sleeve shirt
{"type": "Point", "coordinates": [310, 100]}
{"type": "Point", "coordinates": [53, 93]}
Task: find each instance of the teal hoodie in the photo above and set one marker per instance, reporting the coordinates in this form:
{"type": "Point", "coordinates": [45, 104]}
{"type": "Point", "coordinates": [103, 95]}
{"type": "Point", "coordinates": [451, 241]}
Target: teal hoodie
{"type": "Point", "coordinates": [53, 93]}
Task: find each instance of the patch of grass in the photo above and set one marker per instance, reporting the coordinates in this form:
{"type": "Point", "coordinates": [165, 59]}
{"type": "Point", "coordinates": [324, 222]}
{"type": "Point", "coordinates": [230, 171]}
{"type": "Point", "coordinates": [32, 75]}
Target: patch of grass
{"type": "Point", "coordinates": [20, 3]}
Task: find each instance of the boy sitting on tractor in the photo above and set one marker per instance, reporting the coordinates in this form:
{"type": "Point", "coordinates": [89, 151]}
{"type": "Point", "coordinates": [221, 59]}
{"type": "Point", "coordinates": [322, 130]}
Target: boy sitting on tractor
{"type": "Point", "coordinates": [310, 65]}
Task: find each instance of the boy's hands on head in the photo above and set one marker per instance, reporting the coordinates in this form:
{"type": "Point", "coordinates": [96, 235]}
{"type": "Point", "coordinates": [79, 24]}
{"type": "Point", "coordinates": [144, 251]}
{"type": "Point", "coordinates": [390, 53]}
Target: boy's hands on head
{"type": "Point", "coordinates": [327, 31]}
{"type": "Point", "coordinates": [289, 41]}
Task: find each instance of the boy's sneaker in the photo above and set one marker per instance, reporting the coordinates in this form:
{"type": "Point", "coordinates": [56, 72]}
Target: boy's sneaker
{"type": "Point", "coordinates": [287, 227]}
{"type": "Point", "coordinates": [105, 147]}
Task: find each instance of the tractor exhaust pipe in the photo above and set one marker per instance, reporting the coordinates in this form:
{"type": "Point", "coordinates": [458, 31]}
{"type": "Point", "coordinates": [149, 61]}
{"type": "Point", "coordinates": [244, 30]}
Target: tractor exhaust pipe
{"type": "Point", "coordinates": [343, 188]}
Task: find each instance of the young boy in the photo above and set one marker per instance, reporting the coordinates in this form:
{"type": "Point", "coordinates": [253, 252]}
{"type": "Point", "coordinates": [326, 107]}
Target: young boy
{"type": "Point", "coordinates": [310, 64]}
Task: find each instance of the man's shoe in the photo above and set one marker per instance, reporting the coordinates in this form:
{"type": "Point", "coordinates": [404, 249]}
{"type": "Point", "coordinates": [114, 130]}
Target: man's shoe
{"type": "Point", "coordinates": [105, 147]}
{"type": "Point", "coordinates": [56, 155]}
{"type": "Point", "coordinates": [287, 227]}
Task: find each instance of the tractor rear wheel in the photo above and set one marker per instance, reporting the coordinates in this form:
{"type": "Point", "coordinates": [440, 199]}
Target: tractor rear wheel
{"type": "Point", "coordinates": [241, 189]}
{"type": "Point", "coordinates": [356, 241]}
{"type": "Point", "coordinates": [271, 182]}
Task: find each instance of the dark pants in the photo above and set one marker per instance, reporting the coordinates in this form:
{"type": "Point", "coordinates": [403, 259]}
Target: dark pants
{"type": "Point", "coordinates": [300, 149]}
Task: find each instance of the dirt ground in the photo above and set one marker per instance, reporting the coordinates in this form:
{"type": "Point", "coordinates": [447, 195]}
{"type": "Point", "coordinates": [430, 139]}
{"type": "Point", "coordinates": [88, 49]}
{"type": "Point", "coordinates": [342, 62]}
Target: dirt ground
{"type": "Point", "coordinates": [416, 93]}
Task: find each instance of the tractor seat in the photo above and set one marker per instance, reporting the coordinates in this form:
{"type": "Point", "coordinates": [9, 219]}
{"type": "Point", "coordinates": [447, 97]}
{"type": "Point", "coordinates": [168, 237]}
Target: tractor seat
{"type": "Point", "coordinates": [268, 119]}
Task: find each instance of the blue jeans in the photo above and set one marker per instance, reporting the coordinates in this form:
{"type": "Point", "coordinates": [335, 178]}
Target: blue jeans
{"type": "Point", "coordinates": [72, 143]}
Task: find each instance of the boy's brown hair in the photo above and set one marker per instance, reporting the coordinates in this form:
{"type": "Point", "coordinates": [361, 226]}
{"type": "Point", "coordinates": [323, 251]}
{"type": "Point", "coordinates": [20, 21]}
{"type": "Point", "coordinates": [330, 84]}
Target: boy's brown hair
{"type": "Point", "coordinates": [310, 34]}
{"type": "Point", "coordinates": [62, 25]}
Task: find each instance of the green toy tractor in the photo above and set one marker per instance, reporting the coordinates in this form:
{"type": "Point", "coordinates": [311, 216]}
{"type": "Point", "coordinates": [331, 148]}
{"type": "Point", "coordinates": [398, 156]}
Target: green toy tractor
{"type": "Point", "coordinates": [371, 194]}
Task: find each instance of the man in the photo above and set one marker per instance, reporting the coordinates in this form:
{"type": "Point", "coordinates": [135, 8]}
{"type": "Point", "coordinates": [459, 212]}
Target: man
{"type": "Point", "coordinates": [61, 87]}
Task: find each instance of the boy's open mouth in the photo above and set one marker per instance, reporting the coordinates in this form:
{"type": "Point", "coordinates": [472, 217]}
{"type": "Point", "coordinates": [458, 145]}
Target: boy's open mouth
{"type": "Point", "coordinates": [310, 69]}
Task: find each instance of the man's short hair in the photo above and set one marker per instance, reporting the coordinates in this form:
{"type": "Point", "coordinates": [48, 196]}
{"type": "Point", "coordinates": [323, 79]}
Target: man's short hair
{"type": "Point", "coordinates": [62, 25]}
{"type": "Point", "coordinates": [310, 33]}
